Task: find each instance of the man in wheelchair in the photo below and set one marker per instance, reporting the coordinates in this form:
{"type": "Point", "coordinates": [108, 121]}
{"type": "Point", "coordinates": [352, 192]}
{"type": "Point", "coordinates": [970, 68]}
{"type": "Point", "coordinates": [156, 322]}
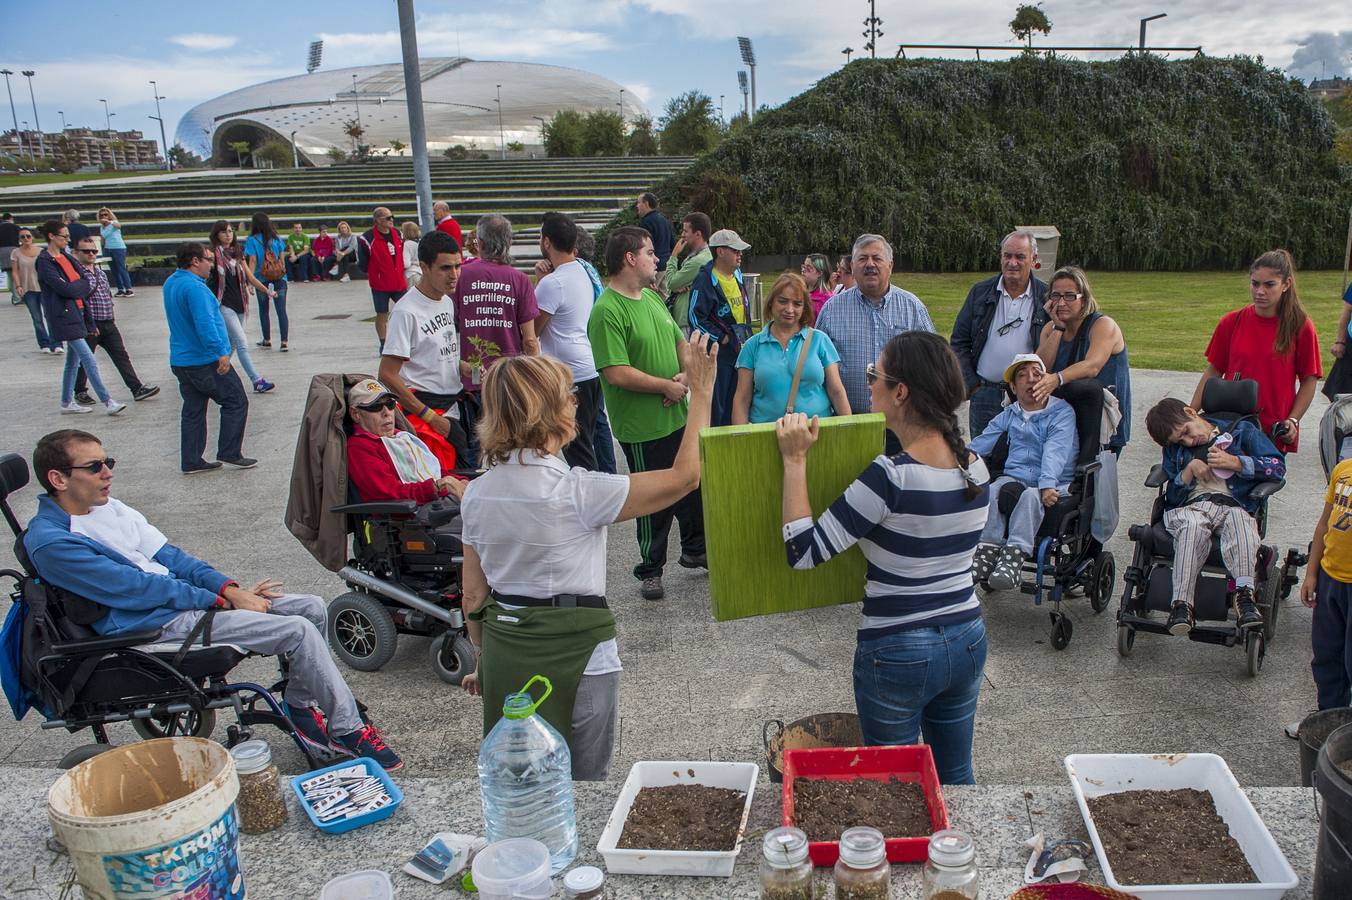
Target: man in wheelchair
{"type": "Point", "coordinates": [1042, 447]}
{"type": "Point", "coordinates": [1211, 475]}
{"type": "Point", "coordinates": [83, 541]}
{"type": "Point", "coordinates": [385, 463]}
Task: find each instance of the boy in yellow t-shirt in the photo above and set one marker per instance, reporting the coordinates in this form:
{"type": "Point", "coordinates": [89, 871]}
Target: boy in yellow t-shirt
{"type": "Point", "coordinates": [1327, 590]}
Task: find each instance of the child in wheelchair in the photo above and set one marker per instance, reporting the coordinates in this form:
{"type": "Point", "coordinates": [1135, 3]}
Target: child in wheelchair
{"type": "Point", "coordinates": [1042, 448]}
{"type": "Point", "coordinates": [1211, 473]}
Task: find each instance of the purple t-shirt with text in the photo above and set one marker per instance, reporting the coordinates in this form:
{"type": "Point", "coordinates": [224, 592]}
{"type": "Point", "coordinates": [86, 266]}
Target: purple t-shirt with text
{"type": "Point", "coordinates": [492, 301]}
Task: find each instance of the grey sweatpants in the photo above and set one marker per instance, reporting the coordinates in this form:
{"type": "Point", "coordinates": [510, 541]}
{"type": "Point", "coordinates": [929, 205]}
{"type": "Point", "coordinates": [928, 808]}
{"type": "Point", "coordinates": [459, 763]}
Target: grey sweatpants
{"type": "Point", "coordinates": [595, 711]}
{"type": "Point", "coordinates": [294, 629]}
{"type": "Point", "coordinates": [1020, 531]}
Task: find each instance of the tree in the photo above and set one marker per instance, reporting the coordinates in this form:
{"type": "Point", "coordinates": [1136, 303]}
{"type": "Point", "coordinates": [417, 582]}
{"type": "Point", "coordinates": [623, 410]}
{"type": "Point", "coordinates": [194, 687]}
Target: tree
{"type": "Point", "coordinates": [353, 129]}
{"type": "Point", "coordinates": [397, 147]}
{"type": "Point", "coordinates": [689, 125]}
{"type": "Point", "coordinates": [276, 152]}
{"type": "Point", "coordinates": [336, 156]}
{"type": "Point", "coordinates": [563, 133]}
{"type": "Point", "coordinates": [642, 140]}
{"type": "Point", "coordinates": [114, 147]}
{"type": "Point", "coordinates": [183, 158]}
{"type": "Point", "coordinates": [738, 123]}
{"type": "Point", "coordinates": [240, 148]}
{"type": "Point", "coordinates": [515, 147]}
{"type": "Point", "coordinates": [456, 152]}
{"type": "Point", "coordinates": [603, 133]}
{"type": "Point", "coordinates": [66, 159]}
{"type": "Point", "coordinates": [1027, 19]}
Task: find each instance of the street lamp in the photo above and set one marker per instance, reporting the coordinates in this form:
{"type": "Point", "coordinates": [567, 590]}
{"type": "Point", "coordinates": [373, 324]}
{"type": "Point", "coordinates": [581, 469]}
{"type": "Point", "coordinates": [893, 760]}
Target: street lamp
{"type": "Point", "coordinates": [621, 104]}
{"type": "Point", "coordinates": [62, 114]}
{"type": "Point", "coordinates": [159, 117]}
{"type": "Point", "coordinates": [749, 57]}
{"type": "Point", "coordinates": [42, 142]}
{"type": "Point", "coordinates": [295, 154]}
{"type": "Point", "coordinates": [847, 51]}
{"type": "Point", "coordinates": [12, 111]}
{"type": "Point", "coordinates": [502, 138]}
{"type": "Point", "coordinates": [1149, 19]}
{"type": "Point", "coordinates": [107, 116]}
{"type": "Point", "coordinates": [355, 101]}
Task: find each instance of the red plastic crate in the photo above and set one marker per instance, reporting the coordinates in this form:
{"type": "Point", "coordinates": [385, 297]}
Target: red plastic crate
{"type": "Point", "coordinates": [912, 762]}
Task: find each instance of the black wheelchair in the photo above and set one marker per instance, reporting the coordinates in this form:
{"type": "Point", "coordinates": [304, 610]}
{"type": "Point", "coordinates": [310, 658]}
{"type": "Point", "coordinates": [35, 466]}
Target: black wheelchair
{"type": "Point", "coordinates": [1149, 579]}
{"type": "Point", "coordinates": [1067, 555]}
{"type": "Point", "coordinates": [81, 679]}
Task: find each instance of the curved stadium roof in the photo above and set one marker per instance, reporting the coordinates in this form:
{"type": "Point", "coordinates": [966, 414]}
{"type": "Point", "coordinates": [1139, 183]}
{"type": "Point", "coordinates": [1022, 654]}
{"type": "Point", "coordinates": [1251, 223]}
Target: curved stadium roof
{"type": "Point", "coordinates": [459, 104]}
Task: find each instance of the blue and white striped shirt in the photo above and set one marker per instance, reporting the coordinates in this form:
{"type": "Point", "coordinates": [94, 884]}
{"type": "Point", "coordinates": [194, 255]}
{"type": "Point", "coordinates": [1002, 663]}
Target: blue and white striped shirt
{"type": "Point", "coordinates": [917, 530]}
{"type": "Point", "coordinates": [860, 330]}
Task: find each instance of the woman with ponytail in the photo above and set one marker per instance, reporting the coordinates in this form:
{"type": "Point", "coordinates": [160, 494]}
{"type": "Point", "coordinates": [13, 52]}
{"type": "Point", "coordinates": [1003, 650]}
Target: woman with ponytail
{"type": "Point", "coordinates": [1272, 341]}
{"type": "Point", "coordinates": [917, 517]}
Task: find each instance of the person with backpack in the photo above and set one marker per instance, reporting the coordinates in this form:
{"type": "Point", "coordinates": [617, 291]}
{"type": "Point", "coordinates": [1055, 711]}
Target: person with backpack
{"type": "Point", "coordinates": [380, 254]}
{"type": "Point", "coordinates": [265, 252]}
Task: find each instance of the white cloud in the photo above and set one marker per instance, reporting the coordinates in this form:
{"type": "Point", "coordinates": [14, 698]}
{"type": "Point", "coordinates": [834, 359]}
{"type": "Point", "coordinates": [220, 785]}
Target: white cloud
{"type": "Point", "coordinates": [200, 41]}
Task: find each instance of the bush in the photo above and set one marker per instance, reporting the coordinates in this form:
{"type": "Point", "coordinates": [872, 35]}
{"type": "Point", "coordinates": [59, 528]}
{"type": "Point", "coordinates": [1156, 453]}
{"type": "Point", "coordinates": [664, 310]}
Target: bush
{"type": "Point", "coordinates": [276, 152]}
{"type": "Point", "coordinates": [642, 141]}
{"type": "Point", "coordinates": [1142, 162]}
{"type": "Point", "coordinates": [689, 126]}
{"type": "Point", "coordinates": [603, 134]}
{"type": "Point", "coordinates": [564, 133]}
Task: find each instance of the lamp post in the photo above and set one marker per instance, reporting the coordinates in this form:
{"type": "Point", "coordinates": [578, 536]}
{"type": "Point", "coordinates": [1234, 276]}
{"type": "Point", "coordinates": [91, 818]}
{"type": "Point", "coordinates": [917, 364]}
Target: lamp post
{"type": "Point", "coordinates": [159, 117]}
{"type": "Point", "coordinates": [749, 57]}
{"type": "Point", "coordinates": [502, 137]}
{"type": "Point", "coordinates": [37, 124]}
{"type": "Point", "coordinates": [12, 110]}
{"type": "Point", "coordinates": [295, 155]}
{"type": "Point", "coordinates": [417, 126]}
{"type": "Point", "coordinates": [541, 120]}
{"type": "Point", "coordinates": [1143, 23]}
{"type": "Point", "coordinates": [847, 51]}
{"type": "Point", "coordinates": [356, 102]}
{"type": "Point", "coordinates": [62, 114]}
{"type": "Point", "coordinates": [107, 116]}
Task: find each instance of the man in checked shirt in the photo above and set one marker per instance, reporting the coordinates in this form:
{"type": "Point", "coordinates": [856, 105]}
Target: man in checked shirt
{"type": "Point", "coordinates": [109, 338]}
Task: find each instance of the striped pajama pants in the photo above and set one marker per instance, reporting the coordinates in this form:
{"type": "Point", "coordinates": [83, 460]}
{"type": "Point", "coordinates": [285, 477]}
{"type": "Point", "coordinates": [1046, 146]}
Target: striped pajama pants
{"type": "Point", "coordinates": [1192, 528]}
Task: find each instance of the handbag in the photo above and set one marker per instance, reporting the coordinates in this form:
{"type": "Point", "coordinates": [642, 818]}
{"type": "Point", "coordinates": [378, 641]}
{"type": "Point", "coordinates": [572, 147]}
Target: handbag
{"type": "Point", "coordinates": [798, 370]}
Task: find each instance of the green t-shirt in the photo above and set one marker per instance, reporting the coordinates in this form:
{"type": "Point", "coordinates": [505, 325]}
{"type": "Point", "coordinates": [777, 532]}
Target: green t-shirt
{"type": "Point", "coordinates": [297, 243]}
{"type": "Point", "coordinates": [638, 333]}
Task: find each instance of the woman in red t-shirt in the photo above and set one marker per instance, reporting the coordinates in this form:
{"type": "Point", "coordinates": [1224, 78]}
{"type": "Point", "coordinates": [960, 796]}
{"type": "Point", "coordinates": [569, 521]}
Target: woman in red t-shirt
{"type": "Point", "coordinates": [1272, 341]}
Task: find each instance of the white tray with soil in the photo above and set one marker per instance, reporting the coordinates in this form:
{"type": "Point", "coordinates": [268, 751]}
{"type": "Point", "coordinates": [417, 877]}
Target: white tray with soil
{"type": "Point", "coordinates": [694, 814]}
{"type": "Point", "coordinates": [1165, 838]}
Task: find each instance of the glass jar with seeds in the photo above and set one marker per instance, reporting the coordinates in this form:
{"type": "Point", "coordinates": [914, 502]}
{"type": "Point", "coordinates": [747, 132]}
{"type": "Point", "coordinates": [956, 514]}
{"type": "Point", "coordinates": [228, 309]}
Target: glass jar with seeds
{"type": "Point", "coordinates": [785, 870]}
{"type": "Point", "coordinates": [862, 872]}
{"type": "Point", "coordinates": [260, 803]}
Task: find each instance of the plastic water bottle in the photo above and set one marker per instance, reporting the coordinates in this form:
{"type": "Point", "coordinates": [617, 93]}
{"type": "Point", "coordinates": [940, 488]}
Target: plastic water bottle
{"type": "Point", "coordinates": [526, 779]}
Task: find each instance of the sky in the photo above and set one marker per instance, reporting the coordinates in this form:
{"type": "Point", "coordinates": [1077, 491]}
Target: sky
{"type": "Point", "coordinates": [654, 48]}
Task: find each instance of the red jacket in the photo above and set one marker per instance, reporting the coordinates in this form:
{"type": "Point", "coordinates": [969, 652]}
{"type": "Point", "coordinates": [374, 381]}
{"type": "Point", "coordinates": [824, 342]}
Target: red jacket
{"type": "Point", "coordinates": [371, 472]}
{"type": "Point", "coordinates": [384, 272]}
{"type": "Point", "coordinates": [452, 227]}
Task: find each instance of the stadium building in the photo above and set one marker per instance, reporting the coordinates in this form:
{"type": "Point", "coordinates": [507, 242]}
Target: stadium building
{"type": "Point", "coordinates": [460, 103]}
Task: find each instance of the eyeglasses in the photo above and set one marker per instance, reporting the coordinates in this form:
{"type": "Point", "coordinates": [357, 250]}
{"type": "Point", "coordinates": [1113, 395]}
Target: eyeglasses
{"type": "Point", "coordinates": [873, 373]}
{"type": "Point", "coordinates": [96, 466]}
{"type": "Point", "coordinates": [387, 403]}
{"type": "Point", "coordinates": [1064, 298]}
{"type": "Point", "coordinates": [1009, 326]}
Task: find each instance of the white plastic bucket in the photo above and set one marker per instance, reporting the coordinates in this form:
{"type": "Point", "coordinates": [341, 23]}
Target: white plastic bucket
{"type": "Point", "coordinates": [155, 819]}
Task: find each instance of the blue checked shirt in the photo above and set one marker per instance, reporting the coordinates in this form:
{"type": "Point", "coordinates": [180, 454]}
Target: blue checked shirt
{"type": "Point", "coordinates": [860, 330]}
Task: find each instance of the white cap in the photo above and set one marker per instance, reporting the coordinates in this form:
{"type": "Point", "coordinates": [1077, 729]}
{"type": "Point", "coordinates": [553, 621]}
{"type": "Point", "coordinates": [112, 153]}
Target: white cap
{"type": "Point", "coordinates": [1022, 359]}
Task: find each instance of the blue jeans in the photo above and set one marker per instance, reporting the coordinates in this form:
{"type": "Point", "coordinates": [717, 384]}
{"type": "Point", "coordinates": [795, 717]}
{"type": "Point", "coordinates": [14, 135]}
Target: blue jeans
{"type": "Point", "coordinates": [120, 274]}
{"type": "Point", "coordinates": [603, 442]}
{"type": "Point", "coordinates": [984, 406]}
{"type": "Point", "coordinates": [33, 300]}
{"type": "Point", "coordinates": [283, 325]}
{"type": "Point", "coordinates": [197, 385]}
{"type": "Point", "coordinates": [78, 354]}
{"type": "Point", "coordinates": [923, 680]}
{"type": "Point", "coordinates": [234, 326]}
{"type": "Point", "coordinates": [1331, 641]}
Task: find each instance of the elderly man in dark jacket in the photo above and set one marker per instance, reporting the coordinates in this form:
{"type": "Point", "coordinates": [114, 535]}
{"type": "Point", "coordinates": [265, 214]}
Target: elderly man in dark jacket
{"type": "Point", "coordinates": [65, 293]}
{"type": "Point", "coordinates": [1001, 318]}
{"type": "Point", "coordinates": [719, 308]}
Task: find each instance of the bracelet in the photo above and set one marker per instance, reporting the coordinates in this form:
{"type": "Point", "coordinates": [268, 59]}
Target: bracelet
{"type": "Point", "coordinates": [427, 415]}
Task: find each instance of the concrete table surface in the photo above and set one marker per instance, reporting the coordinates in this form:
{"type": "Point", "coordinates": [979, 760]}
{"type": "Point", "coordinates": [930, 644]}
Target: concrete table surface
{"type": "Point", "coordinates": [295, 860]}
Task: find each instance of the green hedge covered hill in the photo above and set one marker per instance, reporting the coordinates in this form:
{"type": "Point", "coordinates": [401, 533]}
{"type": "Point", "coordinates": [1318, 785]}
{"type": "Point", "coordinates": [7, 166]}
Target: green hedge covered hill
{"type": "Point", "coordinates": [1142, 163]}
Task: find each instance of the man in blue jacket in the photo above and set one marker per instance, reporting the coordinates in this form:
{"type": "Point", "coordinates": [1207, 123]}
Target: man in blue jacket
{"type": "Point", "coordinates": [199, 355]}
{"type": "Point", "coordinates": [719, 308]}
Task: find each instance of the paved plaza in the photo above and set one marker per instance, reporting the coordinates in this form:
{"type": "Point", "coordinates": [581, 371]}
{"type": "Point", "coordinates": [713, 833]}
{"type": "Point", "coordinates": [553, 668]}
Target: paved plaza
{"type": "Point", "coordinates": [692, 688]}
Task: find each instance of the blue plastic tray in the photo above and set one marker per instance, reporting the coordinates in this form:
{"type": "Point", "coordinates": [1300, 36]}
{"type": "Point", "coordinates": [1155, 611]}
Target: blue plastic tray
{"type": "Point", "coordinates": [339, 826]}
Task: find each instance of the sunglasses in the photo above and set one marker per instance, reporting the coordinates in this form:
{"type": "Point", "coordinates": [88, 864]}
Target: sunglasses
{"type": "Point", "coordinates": [1009, 326]}
{"type": "Point", "coordinates": [96, 466]}
{"type": "Point", "coordinates": [87, 250]}
{"type": "Point", "coordinates": [873, 373]}
{"type": "Point", "coordinates": [387, 403]}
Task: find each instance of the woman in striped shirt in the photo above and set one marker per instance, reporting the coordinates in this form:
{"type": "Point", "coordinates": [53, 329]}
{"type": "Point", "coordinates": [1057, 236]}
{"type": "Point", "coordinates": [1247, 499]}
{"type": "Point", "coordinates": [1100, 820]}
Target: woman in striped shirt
{"type": "Point", "coordinates": [917, 517]}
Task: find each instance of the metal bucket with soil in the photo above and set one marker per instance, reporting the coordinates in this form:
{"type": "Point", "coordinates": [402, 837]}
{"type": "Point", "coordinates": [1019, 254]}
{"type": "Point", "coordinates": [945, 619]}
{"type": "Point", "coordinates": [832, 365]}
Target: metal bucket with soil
{"type": "Point", "coordinates": [1314, 730]}
{"type": "Point", "coordinates": [809, 733]}
{"type": "Point", "coordinates": [1333, 780]}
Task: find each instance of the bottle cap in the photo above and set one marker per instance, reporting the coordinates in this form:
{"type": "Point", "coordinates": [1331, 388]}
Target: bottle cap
{"type": "Point", "coordinates": [784, 847]}
{"type": "Point", "coordinates": [584, 878]}
{"type": "Point", "coordinates": [862, 847]}
{"type": "Point", "coordinates": [251, 756]}
{"type": "Point", "coordinates": [951, 848]}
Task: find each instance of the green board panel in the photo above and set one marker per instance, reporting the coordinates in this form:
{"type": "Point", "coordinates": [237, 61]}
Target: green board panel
{"type": "Point", "coordinates": [742, 483]}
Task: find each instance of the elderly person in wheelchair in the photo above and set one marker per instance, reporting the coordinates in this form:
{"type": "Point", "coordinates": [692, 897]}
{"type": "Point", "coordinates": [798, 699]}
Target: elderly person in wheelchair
{"type": "Point", "coordinates": [83, 541]}
{"type": "Point", "coordinates": [386, 463]}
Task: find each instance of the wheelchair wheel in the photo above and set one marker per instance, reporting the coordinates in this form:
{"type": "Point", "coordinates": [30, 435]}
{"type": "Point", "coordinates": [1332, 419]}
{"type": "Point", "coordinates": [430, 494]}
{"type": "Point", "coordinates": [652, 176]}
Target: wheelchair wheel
{"type": "Point", "coordinates": [82, 753]}
{"type": "Point", "coordinates": [1126, 639]}
{"type": "Point", "coordinates": [186, 724]}
{"type": "Point", "coordinates": [1104, 576]}
{"type": "Point", "coordinates": [1269, 602]}
{"type": "Point", "coordinates": [361, 631]}
{"type": "Point", "coordinates": [1257, 649]}
{"type": "Point", "coordinates": [1061, 631]}
{"type": "Point", "coordinates": [453, 656]}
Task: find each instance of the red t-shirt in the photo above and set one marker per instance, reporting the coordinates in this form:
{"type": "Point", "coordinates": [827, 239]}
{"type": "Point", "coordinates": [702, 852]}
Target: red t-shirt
{"type": "Point", "coordinates": [492, 302]}
{"type": "Point", "coordinates": [452, 227]}
{"type": "Point", "coordinates": [1242, 347]}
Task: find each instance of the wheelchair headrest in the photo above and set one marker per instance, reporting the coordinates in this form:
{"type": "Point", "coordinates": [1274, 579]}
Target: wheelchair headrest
{"type": "Point", "coordinates": [13, 473]}
{"type": "Point", "coordinates": [1085, 396]}
{"type": "Point", "coordinates": [1230, 399]}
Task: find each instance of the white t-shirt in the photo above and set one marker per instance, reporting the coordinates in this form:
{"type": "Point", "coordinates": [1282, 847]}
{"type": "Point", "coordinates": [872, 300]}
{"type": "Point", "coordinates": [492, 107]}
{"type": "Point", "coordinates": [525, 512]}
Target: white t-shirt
{"type": "Point", "coordinates": [422, 331]}
{"type": "Point", "coordinates": [118, 527]}
{"type": "Point", "coordinates": [1001, 349]}
{"type": "Point", "coordinates": [566, 294]}
{"type": "Point", "coordinates": [539, 528]}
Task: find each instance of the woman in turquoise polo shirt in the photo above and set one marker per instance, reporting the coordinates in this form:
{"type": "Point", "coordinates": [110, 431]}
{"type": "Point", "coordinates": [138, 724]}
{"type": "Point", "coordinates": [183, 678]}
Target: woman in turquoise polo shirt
{"type": "Point", "coordinates": [768, 362]}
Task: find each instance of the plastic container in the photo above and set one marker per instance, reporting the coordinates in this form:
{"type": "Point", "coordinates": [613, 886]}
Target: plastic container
{"type": "Point", "coordinates": [951, 872]}
{"type": "Point", "coordinates": [1314, 730]}
{"type": "Point", "coordinates": [340, 826]}
{"type": "Point", "coordinates": [714, 863]}
{"type": "Point", "coordinates": [862, 872]}
{"type": "Point", "coordinates": [526, 779]}
{"type": "Point", "coordinates": [912, 762]}
{"type": "Point", "coordinates": [260, 803]}
{"type": "Point", "coordinates": [126, 815]}
{"type": "Point", "coordinates": [368, 884]}
{"type": "Point", "coordinates": [785, 870]}
{"type": "Point", "coordinates": [1092, 775]}
{"type": "Point", "coordinates": [584, 883]}
{"type": "Point", "coordinates": [514, 869]}
{"type": "Point", "coordinates": [1333, 855]}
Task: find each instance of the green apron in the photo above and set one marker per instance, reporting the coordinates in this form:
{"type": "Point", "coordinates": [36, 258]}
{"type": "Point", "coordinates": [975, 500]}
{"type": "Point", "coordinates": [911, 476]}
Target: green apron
{"type": "Point", "coordinates": [538, 640]}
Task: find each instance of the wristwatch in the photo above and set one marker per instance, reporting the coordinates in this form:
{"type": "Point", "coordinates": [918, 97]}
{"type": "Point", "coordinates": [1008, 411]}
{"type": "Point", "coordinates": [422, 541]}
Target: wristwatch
{"type": "Point", "coordinates": [1061, 328]}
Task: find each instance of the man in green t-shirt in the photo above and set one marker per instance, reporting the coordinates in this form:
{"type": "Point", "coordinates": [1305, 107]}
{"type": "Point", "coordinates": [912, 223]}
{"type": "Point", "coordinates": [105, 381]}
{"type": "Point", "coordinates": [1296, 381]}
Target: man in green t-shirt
{"type": "Point", "coordinates": [300, 262]}
{"type": "Point", "coordinates": [634, 340]}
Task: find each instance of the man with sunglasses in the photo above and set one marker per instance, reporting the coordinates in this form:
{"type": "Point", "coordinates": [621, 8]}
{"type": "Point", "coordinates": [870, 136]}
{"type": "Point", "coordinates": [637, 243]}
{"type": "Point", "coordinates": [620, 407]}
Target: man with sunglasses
{"type": "Point", "coordinates": [1000, 319]}
{"type": "Point", "coordinates": [380, 254]}
{"type": "Point", "coordinates": [83, 541]}
{"type": "Point", "coordinates": [384, 463]}
{"type": "Point", "coordinates": [106, 335]}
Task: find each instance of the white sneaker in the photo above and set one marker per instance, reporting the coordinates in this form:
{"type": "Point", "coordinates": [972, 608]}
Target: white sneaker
{"type": "Point", "coordinates": [72, 409]}
{"type": "Point", "coordinates": [345, 279]}
{"type": "Point", "coordinates": [114, 408]}
{"type": "Point", "coordinates": [47, 350]}
{"type": "Point", "coordinates": [58, 349]}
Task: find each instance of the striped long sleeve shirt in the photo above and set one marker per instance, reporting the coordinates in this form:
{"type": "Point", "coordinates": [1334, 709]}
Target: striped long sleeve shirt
{"type": "Point", "coordinates": [918, 531]}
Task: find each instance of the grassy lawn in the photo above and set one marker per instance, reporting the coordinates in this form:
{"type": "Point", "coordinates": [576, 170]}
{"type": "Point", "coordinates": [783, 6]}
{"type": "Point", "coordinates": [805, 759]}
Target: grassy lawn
{"type": "Point", "coordinates": [1167, 317]}
{"type": "Point", "coordinates": [58, 177]}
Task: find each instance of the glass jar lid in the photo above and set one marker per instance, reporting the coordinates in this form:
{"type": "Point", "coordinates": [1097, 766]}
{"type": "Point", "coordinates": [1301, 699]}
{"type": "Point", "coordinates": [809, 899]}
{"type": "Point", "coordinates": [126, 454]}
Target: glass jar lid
{"type": "Point", "coordinates": [951, 848]}
{"type": "Point", "coordinates": [251, 756]}
{"type": "Point", "coordinates": [784, 847]}
{"type": "Point", "coordinates": [862, 847]}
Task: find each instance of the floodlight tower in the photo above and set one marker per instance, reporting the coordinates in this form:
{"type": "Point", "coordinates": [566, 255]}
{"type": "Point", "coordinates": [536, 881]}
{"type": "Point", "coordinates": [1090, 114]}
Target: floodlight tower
{"type": "Point", "coordinates": [316, 55]}
{"type": "Point", "coordinates": [746, 102]}
{"type": "Point", "coordinates": [871, 30]}
{"type": "Point", "coordinates": [749, 57]}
